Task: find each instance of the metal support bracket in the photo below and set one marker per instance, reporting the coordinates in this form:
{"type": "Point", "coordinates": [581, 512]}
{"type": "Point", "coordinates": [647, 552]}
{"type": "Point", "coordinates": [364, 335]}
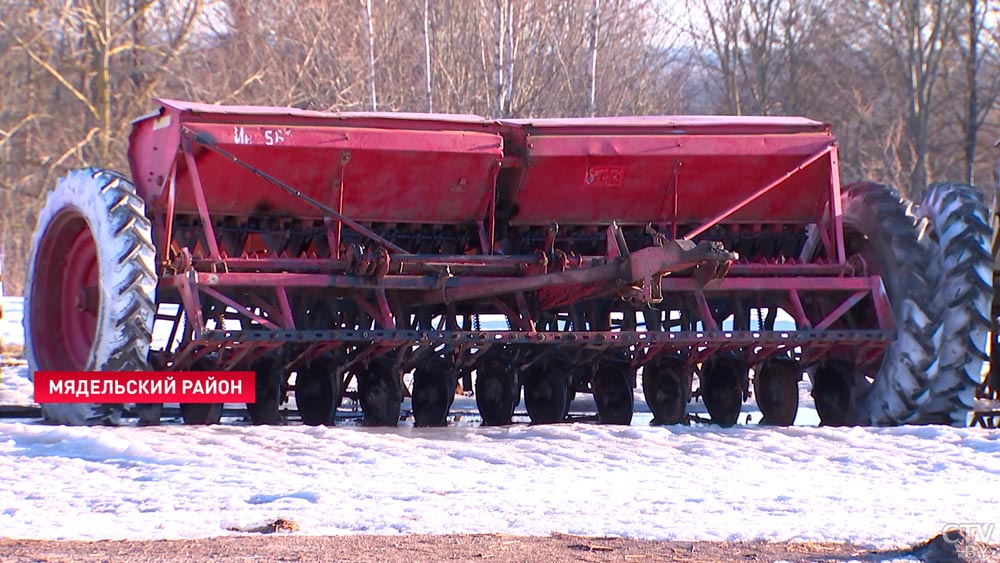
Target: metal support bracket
{"type": "Point", "coordinates": [648, 266]}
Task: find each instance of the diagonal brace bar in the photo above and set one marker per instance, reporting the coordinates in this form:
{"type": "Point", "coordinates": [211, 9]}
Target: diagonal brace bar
{"type": "Point", "coordinates": [209, 143]}
{"type": "Point", "coordinates": [759, 193]}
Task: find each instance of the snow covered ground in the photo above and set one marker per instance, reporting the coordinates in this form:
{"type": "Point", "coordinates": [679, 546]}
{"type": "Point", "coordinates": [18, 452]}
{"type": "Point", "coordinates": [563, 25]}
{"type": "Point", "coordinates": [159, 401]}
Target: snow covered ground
{"type": "Point", "coordinates": [879, 487]}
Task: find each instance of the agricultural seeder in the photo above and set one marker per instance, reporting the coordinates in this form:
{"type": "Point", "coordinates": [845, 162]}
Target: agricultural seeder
{"type": "Point", "coordinates": [402, 255]}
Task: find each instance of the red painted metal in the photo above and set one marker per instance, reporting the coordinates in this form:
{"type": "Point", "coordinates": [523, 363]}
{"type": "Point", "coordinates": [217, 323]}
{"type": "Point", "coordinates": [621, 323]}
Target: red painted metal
{"type": "Point", "coordinates": [402, 168]}
{"type": "Point", "coordinates": [836, 214]}
{"type": "Point", "coordinates": [595, 172]}
{"type": "Point", "coordinates": [243, 310]}
{"type": "Point", "coordinates": [758, 194]}
{"type": "Point", "coordinates": [515, 217]}
{"type": "Point", "coordinates": [65, 303]}
{"type": "Point", "coordinates": [198, 192]}
{"type": "Point", "coordinates": [79, 297]}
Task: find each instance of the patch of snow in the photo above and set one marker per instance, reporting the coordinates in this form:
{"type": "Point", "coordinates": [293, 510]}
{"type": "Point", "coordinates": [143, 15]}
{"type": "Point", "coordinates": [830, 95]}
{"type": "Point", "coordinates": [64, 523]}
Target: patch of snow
{"type": "Point", "coordinates": [11, 330]}
{"type": "Point", "coordinates": [15, 387]}
{"type": "Point", "coordinates": [879, 487]}
{"type": "Point", "coordinates": [885, 488]}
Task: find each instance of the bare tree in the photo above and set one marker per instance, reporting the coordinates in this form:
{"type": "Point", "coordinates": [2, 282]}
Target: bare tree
{"type": "Point", "coordinates": [979, 95]}
{"type": "Point", "coordinates": [720, 37]}
{"type": "Point", "coordinates": [367, 4]}
{"type": "Point", "coordinates": [428, 73]}
{"type": "Point", "coordinates": [595, 26]}
{"type": "Point", "coordinates": [501, 54]}
{"type": "Point", "coordinates": [757, 65]}
{"type": "Point", "coordinates": [910, 85]}
{"type": "Point", "coordinates": [81, 72]}
{"type": "Point", "coordinates": [917, 34]}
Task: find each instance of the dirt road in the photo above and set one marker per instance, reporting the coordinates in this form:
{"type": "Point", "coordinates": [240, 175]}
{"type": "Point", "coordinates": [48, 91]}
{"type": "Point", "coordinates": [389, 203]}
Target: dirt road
{"type": "Point", "coordinates": [469, 548]}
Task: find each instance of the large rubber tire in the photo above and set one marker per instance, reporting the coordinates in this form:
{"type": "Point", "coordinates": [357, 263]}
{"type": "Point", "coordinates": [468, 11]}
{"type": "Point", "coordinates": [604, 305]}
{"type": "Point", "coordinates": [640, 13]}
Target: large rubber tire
{"type": "Point", "coordinates": [957, 233]}
{"type": "Point", "coordinates": [991, 387]}
{"type": "Point", "coordinates": [878, 228]}
{"type": "Point", "coordinates": [89, 299]}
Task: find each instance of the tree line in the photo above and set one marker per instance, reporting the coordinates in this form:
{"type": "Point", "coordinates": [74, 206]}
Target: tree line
{"type": "Point", "coordinates": [910, 86]}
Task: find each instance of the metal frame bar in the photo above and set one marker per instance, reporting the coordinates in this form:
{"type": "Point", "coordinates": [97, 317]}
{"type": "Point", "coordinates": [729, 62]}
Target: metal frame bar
{"type": "Point", "coordinates": [701, 338]}
{"type": "Point", "coordinates": [838, 214]}
{"type": "Point", "coordinates": [758, 194]}
{"type": "Point", "coordinates": [264, 305]}
{"type": "Point", "coordinates": [199, 198]}
{"type": "Point", "coordinates": [507, 285]}
{"type": "Point", "coordinates": [841, 309]}
{"type": "Point", "coordinates": [798, 311]}
{"type": "Point", "coordinates": [209, 143]}
{"type": "Point", "coordinates": [242, 309]}
{"type": "Point", "coordinates": [168, 220]}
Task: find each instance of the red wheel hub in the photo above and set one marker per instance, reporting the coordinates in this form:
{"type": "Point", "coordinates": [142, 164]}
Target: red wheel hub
{"type": "Point", "coordinates": [65, 297]}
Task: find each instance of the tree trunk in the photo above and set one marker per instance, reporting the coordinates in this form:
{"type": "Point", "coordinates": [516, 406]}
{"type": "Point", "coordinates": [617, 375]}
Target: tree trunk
{"type": "Point", "coordinates": [595, 23]}
{"type": "Point", "coordinates": [370, 29]}
{"type": "Point", "coordinates": [428, 86]}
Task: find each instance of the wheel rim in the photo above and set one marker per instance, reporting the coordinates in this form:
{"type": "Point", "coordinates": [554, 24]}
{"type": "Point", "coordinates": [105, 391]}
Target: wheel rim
{"type": "Point", "coordinates": [65, 297]}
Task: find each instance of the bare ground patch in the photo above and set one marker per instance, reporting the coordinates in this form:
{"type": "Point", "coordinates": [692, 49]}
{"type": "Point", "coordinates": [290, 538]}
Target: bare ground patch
{"type": "Point", "coordinates": [557, 548]}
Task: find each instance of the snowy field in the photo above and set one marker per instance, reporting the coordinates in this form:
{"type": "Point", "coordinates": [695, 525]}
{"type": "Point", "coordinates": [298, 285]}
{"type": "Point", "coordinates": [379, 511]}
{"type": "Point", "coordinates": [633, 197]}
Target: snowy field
{"type": "Point", "coordinates": [877, 487]}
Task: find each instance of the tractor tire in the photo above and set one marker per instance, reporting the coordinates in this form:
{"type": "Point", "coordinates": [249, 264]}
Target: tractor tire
{"type": "Point", "coordinates": [991, 386]}
{"type": "Point", "coordinates": [89, 303]}
{"type": "Point", "coordinates": [878, 229]}
{"type": "Point", "coordinates": [956, 231]}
